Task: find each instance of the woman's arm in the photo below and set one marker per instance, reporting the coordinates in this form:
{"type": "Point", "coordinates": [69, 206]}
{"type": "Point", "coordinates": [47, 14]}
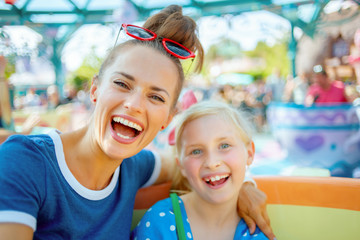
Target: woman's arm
{"type": "Point", "coordinates": [168, 163]}
{"type": "Point", "coordinates": [252, 208]}
{"type": "Point", "coordinates": [12, 231]}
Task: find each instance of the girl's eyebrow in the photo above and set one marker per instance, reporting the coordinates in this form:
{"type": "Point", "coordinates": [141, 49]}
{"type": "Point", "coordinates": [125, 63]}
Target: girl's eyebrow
{"type": "Point", "coordinates": [130, 77]}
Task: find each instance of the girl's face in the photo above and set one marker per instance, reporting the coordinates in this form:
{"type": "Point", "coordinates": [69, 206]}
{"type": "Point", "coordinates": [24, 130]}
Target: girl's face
{"type": "Point", "coordinates": [214, 158]}
{"type": "Point", "coordinates": [133, 100]}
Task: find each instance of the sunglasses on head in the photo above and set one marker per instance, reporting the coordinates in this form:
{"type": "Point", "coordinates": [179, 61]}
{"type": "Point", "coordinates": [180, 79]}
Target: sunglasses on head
{"type": "Point", "coordinates": [143, 34]}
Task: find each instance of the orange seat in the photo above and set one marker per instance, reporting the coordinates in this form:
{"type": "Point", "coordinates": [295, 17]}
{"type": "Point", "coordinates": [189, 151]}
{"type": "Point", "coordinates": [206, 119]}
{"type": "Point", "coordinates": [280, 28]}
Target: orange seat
{"type": "Point", "coordinates": [299, 207]}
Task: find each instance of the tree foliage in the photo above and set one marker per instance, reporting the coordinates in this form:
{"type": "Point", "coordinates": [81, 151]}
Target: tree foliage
{"type": "Point", "coordinates": [81, 78]}
{"type": "Point", "coordinates": [276, 57]}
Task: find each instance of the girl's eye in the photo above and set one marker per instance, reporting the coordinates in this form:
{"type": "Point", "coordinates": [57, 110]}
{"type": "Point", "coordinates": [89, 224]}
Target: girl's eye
{"type": "Point", "coordinates": [122, 84]}
{"type": "Point", "coordinates": [224, 146]}
{"type": "Point", "coordinates": [157, 98]}
{"type": "Point", "coordinates": [195, 152]}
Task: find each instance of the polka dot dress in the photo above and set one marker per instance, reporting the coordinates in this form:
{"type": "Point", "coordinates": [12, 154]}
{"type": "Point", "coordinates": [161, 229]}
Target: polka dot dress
{"type": "Point", "coordinates": [159, 223]}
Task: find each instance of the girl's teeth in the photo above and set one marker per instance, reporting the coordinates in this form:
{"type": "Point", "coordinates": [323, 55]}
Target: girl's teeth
{"type": "Point", "coordinates": [215, 178]}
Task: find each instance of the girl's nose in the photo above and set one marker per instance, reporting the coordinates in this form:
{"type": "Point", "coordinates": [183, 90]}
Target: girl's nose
{"type": "Point", "coordinates": [213, 161]}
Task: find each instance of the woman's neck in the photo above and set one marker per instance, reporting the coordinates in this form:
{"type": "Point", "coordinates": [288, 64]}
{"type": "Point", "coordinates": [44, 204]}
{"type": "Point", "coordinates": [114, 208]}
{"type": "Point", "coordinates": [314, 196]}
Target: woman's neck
{"type": "Point", "coordinates": [209, 220]}
{"type": "Point", "coordinates": [87, 162]}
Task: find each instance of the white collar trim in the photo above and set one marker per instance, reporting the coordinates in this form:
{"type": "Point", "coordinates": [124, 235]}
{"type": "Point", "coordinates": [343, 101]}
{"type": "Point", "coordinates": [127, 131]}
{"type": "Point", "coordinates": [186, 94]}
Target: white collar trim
{"type": "Point", "coordinates": [72, 181]}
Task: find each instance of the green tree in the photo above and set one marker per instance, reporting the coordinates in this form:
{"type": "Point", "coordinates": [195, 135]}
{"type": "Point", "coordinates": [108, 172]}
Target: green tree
{"type": "Point", "coordinates": [81, 77]}
{"type": "Point", "coordinates": [275, 56]}
{"type": "Point", "coordinates": [225, 49]}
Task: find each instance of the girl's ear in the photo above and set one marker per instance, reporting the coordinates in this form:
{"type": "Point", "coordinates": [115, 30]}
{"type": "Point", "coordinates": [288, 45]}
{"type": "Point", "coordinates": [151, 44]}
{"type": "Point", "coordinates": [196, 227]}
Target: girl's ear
{"type": "Point", "coordinates": [251, 153]}
{"type": "Point", "coordinates": [180, 167]}
{"type": "Point", "coordinates": [94, 88]}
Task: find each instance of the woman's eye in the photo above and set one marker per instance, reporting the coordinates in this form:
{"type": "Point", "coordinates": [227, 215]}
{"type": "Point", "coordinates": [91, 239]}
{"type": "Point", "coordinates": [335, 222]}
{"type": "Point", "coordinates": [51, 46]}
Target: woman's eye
{"type": "Point", "coordinates": [195, 152]}
{"type": "Point", "coordinates": [157, 98]}
{"type": "Point", "coordinates": [224, 146]}
{"type": "Point", "coordinates": [122, 84]}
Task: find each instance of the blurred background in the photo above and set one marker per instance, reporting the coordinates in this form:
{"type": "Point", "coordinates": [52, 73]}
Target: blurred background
{"type": "Point", "coordinates": [260, 58]}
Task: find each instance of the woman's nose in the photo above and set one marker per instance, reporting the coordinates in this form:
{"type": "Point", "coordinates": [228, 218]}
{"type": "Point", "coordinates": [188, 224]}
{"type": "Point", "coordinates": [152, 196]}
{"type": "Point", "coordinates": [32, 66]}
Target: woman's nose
{"type": "Point", "coordinates": [135, 102]}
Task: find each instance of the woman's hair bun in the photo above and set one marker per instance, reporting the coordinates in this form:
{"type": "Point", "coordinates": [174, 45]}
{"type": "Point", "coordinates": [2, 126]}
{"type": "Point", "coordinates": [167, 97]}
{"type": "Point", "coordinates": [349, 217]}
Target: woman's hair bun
{"type": "Point", "coordinates": [171, 23]}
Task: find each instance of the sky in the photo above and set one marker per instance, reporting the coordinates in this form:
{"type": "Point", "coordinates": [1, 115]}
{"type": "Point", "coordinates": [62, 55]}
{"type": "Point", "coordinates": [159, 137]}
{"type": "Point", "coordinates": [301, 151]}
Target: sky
{"type": "Point", "coordinates": [247, 29]}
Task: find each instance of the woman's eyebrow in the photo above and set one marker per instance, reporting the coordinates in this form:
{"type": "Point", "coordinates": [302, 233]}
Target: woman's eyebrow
{"type": "Point", "coordinates": [160, 90]}
{"type": "Point", "coordinates": [155, 88]}
{"type": "Point", "coordinates": [126, 75]}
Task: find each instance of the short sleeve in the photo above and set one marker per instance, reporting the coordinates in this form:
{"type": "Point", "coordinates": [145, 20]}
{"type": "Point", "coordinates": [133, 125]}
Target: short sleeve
{"type": "Point", "coordinates": [158, 223]}
{"type": "Point", "coordinates": [22, 176]}
{"type": "Point", "coordinates": [144, 167]}
{"type": "Point", "coordinates": [243, 232]}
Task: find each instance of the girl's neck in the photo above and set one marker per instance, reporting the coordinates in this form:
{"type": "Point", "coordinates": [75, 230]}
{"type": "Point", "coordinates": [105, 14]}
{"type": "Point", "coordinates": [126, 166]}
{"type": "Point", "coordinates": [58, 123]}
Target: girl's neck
{"type": "Point", "coordinates": [87, 162]}
{"type": "Point", "coordinates": [209, 220]}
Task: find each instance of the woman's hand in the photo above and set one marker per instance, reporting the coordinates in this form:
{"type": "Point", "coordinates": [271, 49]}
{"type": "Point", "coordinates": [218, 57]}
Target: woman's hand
{"type": "Point", "coordinates": [252, 208]}
{"type": "Point", "coordinates": [30, 123]}
{"type": "Point", "coordinates": [2, 66]}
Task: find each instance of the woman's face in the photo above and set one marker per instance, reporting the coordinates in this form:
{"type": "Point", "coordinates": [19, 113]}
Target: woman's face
{"type": "Point", "coordinates": [214, 158]}
{"type": "Point", "coordinates": [133, 100]}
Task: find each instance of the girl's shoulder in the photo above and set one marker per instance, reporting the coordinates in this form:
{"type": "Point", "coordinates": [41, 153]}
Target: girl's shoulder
{"type": "Point", "coordinates": [243, 232]}
{"type": "Point", "coordinates": [157, 223]}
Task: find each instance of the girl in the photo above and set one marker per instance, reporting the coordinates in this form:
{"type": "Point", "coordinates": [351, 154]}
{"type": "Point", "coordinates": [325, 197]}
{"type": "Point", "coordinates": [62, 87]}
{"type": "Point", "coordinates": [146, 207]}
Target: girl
{"type": "Point", "coordinates": [214, 147]}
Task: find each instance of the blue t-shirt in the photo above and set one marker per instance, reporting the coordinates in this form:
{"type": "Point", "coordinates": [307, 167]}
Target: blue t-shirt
{"type": "Point", "coordinates": [37, 189]}
{"type": "Point", "coordinates": [159, 223]}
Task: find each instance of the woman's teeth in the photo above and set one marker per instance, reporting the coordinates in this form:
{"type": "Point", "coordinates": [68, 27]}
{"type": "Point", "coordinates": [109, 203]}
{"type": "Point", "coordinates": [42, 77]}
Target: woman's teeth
{"type": "Point", "coordinates": [127, 123]}
{"type": "Point", "coordinates": [123, 136]}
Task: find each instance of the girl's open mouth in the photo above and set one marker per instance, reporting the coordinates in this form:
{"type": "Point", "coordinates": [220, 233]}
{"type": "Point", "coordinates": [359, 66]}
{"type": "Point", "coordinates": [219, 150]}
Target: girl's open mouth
{"type": "Point", "coordinates": [216, 180]}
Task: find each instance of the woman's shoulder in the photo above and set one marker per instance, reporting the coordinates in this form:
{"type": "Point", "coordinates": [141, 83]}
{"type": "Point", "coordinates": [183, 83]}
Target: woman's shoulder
{"type": "Point", "coordinates": [18, 142]}
{"type": "Point", "coordinates": [21, 150]}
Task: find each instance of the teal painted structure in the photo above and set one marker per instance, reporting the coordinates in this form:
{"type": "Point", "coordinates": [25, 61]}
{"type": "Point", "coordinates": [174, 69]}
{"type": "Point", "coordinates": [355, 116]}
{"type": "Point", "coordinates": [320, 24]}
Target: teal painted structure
{"type": "Point", "coordinates": [69, 15]}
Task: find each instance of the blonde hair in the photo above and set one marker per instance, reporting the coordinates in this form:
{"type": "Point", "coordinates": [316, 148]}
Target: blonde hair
{"type": "Point", "coordinates": [202, 109]}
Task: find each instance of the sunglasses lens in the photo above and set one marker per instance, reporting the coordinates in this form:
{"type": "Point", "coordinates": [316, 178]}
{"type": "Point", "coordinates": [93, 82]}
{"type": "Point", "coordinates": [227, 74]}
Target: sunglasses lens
{"type": "Point", "coordinates": [177, 49]}
{"type": "Point", "coordinates": [139, 32]}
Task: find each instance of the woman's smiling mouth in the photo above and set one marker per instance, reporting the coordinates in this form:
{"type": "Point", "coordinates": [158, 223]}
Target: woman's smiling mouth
{"type": "Point", "coordinates": [125, 129]}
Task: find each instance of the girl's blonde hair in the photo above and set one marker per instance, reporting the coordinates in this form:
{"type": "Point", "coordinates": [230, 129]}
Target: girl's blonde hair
{"type": "Point", "coordinates": [202, 109]}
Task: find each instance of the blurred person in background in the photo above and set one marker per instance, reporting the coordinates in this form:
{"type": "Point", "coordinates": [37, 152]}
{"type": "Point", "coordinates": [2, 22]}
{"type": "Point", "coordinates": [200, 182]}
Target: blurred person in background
{"type": "Point", "coordinates": [296, 89]}
{"type": "Point", "coordinates": [325, 90]}
{"type": "Point", "coordinates": [6, 123]}
{"type": "Point", "coordinates": [275, 84]}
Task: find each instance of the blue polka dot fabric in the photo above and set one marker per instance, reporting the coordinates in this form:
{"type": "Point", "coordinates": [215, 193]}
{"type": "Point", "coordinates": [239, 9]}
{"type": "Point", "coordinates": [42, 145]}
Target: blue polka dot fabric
{"type": "Point", "coordinates": [159, 223]}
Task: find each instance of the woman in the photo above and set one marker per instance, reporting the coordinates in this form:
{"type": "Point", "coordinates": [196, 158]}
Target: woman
{"type": "Point", "coordinates": [82, 184]}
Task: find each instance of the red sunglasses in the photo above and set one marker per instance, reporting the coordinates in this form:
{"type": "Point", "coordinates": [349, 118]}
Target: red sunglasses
{"type": "Point", "coordinates": [143, 34]}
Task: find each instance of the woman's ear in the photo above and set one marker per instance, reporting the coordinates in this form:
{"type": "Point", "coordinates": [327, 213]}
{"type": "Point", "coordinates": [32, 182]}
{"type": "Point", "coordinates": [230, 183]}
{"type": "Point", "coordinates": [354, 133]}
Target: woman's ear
{"type": "Point", "coordinates": [169, 119]}
{"type": "Point", "coordinates": [251, 152]}
{"type": "Point", "coordinates": [94, 88]}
